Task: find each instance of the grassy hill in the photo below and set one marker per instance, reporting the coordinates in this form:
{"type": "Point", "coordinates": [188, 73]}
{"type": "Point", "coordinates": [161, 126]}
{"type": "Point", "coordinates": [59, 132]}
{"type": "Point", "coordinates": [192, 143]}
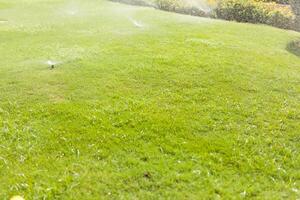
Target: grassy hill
{"type": "Point", "coordinates": [144, 104]}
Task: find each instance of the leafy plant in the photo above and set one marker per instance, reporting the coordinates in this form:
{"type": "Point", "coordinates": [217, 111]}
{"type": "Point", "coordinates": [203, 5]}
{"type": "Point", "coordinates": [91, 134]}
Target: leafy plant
{"type": "Point", "coordinates": [256, 12]}
{"type": "Point", "coordinates": [295, 4]}
{"type": "Point", "coordinates": [180, 6]}
{"type": "Point", "coordinates": [294, 47]}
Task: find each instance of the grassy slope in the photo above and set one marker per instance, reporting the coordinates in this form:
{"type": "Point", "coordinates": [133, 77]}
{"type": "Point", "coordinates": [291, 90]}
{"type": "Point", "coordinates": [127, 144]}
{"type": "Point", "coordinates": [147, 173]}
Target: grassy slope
{"type": "Point", "coordinates": [182, 108]}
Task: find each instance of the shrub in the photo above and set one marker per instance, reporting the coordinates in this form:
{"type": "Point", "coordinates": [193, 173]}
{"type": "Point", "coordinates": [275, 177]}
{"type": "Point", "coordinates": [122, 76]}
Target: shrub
{"type": "Point", "coordinates": [294, 47]}
{"type": "Point", "coordinates": [275, 1]}
{"type": "Point", "coordinates": [278, 15]}
{"type": "Point", "coordinates": [182, 6]}
{"type": "Point", "coordinates": [256, 12]}
{"type": "Point", "coordinates": [295, 4]}
{"type": "Point", "coordinates": [253, 11]}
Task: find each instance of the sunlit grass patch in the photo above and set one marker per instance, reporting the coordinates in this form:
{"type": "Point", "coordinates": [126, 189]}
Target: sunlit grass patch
{"type": "Point", "coordinates": [4, 5]}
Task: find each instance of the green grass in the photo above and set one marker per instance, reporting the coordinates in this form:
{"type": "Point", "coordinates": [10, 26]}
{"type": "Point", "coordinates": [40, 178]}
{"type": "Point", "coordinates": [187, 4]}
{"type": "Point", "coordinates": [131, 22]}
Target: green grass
{"type": "Point", "coordinates": [183, 108]}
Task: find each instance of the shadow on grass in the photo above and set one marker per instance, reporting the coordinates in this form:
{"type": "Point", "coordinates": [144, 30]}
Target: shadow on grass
{"type": "Point", "coordinates": [294, 47]}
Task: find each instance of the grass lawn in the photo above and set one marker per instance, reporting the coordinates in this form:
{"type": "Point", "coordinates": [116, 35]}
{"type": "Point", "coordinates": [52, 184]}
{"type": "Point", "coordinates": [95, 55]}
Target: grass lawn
{"type": "Point", "coordinates": [179, 108]}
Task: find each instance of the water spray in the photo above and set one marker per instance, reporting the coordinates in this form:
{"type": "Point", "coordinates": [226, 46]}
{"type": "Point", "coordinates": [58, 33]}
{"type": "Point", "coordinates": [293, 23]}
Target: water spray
{"type": "Point", "coordinates": [72, 12]}
{"type": "Point", "coordinates": [200, 4]}
{"type": "Point", "coordinates": [136, 23]}
{"type": "Point", "coordinates": [51, 64]}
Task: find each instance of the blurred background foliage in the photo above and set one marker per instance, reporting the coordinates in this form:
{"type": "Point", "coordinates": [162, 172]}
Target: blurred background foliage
{"type": "Point", "coordinates": [279, 13]}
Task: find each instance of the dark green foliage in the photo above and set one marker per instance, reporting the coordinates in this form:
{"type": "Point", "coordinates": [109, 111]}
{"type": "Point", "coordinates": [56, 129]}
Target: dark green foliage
{"type": "Point", "coordinates": [254, 12]}
{"type": "Point", "coordinates": [295, 4]}
{"type": "Point", "coordinates": [179, 6]}
{"type": "Point", "coordinates": [276, 1]}
{"type": "Point", "coordinates": [240, 11]}
{"type": "Point", "coordinates": [294, 47]}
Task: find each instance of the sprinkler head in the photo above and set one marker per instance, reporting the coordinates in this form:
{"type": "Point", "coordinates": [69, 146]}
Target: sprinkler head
{"type": "Point", "coordinates": [51, 64]}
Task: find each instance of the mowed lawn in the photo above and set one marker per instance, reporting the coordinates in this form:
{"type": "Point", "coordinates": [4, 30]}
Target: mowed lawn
{"type": "Point", "coordinates": [178, 107]}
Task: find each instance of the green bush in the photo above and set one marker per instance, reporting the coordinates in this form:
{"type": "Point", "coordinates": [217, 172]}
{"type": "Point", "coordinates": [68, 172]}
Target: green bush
{"type": "Point", "coordinates": [295, 4]}
{"type": "Point", "coordinates": [294, 47]}
{"type": "Point", "coordinates": [180, 6]}
{"type": "Point", "coordinates": [253, 11]}
{"type": "Point", "coordinates": [256, 12]}
{"type": "Point", "coordinates": [276, 1]}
